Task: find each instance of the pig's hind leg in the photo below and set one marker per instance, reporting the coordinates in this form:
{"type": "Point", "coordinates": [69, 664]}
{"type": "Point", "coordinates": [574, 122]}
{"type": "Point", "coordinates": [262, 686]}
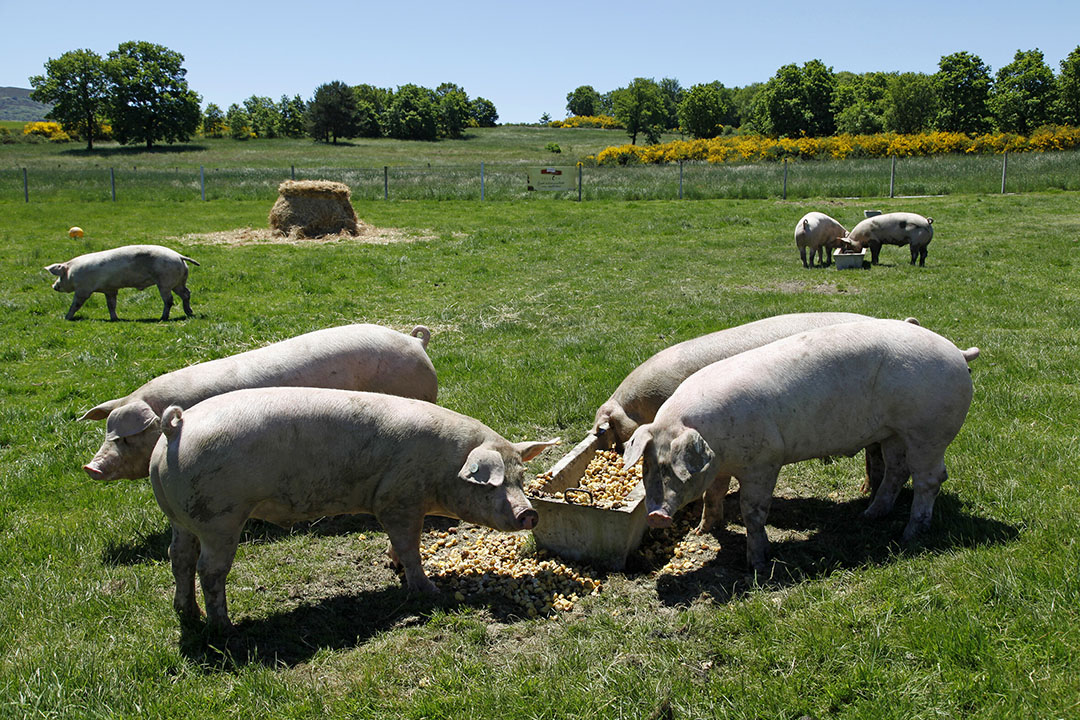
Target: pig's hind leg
{"type": "Point", "coordinates": [183, 553]}
{"type": "Point", "coordinates": [895, 475]}
{"type": "Point", "coordinates": [215, 561]}
{"type": "Point", "coordinates": [166, 298]}
{"type": "Point", "coordinates": [926, 481]}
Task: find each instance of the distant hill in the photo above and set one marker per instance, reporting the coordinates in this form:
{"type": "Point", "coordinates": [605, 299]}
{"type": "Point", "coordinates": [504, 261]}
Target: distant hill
{"type": "Point", "coordinates": [15, 104]}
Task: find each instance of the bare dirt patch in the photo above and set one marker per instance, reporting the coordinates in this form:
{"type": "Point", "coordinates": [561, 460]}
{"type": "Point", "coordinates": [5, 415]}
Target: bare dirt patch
{"type": "Point", "coordinates": [367, 235]}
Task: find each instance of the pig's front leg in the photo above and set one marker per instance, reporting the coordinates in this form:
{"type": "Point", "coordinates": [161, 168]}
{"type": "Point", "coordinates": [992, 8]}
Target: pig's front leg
{"type": "Point", "coordinates": [755, 496]}
{"type": "Point", "coordinates": [76, 303]}
{"type": "Point", "coordinates": [110, 302]}
{"type": "Point", "coordinates": [404, 529]}
{"type": "Point", "coordinates": [712, 512]}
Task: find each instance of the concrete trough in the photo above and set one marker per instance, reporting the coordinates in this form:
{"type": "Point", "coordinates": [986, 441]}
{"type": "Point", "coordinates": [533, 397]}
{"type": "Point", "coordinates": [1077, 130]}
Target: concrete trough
{"type": "Point", "coordinates": [577, 531]}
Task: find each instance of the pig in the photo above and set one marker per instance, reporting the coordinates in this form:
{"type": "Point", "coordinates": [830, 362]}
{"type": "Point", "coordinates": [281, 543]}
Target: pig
{"type": "Point", "coordinates": [790, 401]}
{"type": "Point", "coordinates": [821, 234]}
{"type": "Point", "coordinates": [290, 454]}
{"type": "Point", "coordinates": [134, 266]}
{"type": "Point", "coordinates": [645, 389]}
{"type": "Point", "coordinates": [351, 357]}
{"type": "Point", "coordinates": [898, 228]}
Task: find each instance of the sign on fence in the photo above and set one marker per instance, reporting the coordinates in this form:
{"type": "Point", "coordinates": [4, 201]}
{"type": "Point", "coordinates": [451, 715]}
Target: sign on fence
{"type": "Point", "coordinates": [551, 178]}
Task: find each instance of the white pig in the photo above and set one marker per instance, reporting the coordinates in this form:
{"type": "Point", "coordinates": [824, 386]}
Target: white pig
{"type": "Point", "coordinates": [791, 400]}
{"type": "Point", "coordinates": [898, 228]}
{"type": "Point", "coordinates": [351, 357]}
{"type": "Point", "coordinates": [290, 454]}
{"type": "Point", "coordinates": [821, 234]}
{"type": "Point", "coordinates": [645, 389]}
{"type": "Point", "coordinates": [134, 266]}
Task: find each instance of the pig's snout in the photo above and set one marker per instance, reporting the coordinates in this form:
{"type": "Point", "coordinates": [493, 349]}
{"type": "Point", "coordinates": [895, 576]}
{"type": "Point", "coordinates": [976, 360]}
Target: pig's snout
{"type": "Point", "coordinates": [527, 519]}
{"type": "Point", "coordinates": [659, 519]}
{"type": "Point", "coordinates": [94, 471]}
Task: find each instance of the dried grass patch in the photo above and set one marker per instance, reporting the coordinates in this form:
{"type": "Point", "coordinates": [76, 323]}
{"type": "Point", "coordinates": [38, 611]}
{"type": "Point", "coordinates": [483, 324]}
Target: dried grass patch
{"type": "Point", "coordinates": [366, 235]}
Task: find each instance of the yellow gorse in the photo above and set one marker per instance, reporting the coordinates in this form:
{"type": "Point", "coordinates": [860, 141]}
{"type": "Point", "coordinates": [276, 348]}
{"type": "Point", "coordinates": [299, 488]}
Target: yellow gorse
{"type": "Point", "coordinates": [593, 121]}
{"type": "Point", "coordinates": [752, 148]}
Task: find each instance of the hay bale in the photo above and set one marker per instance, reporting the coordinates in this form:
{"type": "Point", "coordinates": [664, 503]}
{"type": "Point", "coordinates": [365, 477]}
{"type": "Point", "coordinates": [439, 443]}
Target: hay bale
{"type": "Point", "coordinates": [312, 208]}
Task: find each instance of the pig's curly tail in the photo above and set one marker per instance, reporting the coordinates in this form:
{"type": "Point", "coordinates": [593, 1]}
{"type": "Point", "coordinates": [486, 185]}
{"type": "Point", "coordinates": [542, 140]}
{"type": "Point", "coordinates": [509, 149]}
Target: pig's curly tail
{"type": "Point", "coordinates": [423, 333]}
{"type": "Point", "coordinates": [172, 420]}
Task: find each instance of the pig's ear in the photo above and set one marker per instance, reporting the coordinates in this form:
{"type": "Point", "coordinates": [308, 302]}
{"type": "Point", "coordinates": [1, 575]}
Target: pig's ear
{"type": "Point", "coordinates": [101, 411]}
{"type": "Point", "coordinates": [529, 450]}
{"type": "Point", "coordinates": [690, 454]}
{"type": "Point", "coordinates": [130, 419]}
{"type": "Point", "coordinates": [635, 446]}
{"type": "Point", "coordinates": [57, 268]}
{"type": "Point", "coordinates": [484, 466]}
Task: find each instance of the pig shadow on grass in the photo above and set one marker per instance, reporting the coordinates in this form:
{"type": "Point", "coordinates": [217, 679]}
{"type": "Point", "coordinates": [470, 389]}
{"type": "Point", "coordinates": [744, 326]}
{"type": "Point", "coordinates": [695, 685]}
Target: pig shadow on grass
{"type": "Point", "coordinates": [154, 546]}
{"type": "Point", "coordinates": [818, 536]}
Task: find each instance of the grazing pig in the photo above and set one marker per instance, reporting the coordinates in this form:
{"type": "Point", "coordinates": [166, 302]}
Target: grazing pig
{"type": "Point", "coordinates": [899, 228]}
{"type": "Point", "coordinates": [351, 357]}
{"type": "Point", "coordinates": [645, 389]}
{"type": "Point", "coordinates": [821, 234]}
{"type": "Point", "coordinates": [134, 266]}
{"type": "Point", "coordinates": [290, 454]}
{"type": "Point", "coordinates": [791, 400]}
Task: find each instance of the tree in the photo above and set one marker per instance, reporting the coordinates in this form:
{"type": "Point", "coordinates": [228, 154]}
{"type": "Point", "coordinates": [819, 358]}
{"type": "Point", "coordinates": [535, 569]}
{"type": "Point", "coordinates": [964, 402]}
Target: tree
{"type": "Point", "coordinates": [1023, 96]}
{"type": "Point", "coordinates": [639, 108]}
{"type": "Point", "coordinates": [453, 103]}
{"type": "Point", "coordinates": [859, 102]}
{"type": "Point", "coordinates": [1068, 89]}
{"type": "Point", "coordinates": [483, 112]}
{"type": "Point", "coordinates": [672, 92]}
{"type": "Point", "coordinates": [910, 103]}
{"type": "Point", "coordinates": [743, 100]}
{"type": "Point", "coordinates": [150, 100]}
{"type": "Point", "coordinates": [239, 122]}
{"type": "Point", "coordinates": [265, 118]}
{"type": "Point", "coordinates": [706, 109]}
{"type": "Point", "coordinates": [413, 114]}
{"type": "Point", "coordinates": [332, 113]}
{"type": "Point", "coordinates": [213, 124]}
{"type": "Point", "coordinates": [962, 84]}
{"type": "Point", "coordinates": [77, 86]}
{"type": "Point", "coordinates": [797, 101]}
{"type": "Point", "coordinates": [583, 100]}
{"type": "Point", "coordinates": [372, 103]}
{"type": "Point", "coordinates": [293, 114]}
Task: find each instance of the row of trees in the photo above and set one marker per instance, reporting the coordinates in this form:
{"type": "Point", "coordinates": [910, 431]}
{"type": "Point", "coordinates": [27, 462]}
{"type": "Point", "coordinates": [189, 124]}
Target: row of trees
{"type": "Point", "coordinates": [140, 90]}
{"type": "Point", "coordinates": [812, 100]}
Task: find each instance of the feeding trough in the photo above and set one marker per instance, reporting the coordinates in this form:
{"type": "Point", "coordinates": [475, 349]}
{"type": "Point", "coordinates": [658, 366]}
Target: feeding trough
{"type": "Point", "coordinates": [849, 260]}
{"type": "Point", "coordinates": [575, 527]}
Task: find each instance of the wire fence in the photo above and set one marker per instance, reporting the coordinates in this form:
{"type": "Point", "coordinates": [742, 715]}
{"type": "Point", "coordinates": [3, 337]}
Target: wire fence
{"type": "Point", "coordinates": [942, 175]}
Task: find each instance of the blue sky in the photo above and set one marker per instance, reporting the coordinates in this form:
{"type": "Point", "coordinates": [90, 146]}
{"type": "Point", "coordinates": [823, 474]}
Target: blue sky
{"type": "Point", "coordinates": [526, 56]}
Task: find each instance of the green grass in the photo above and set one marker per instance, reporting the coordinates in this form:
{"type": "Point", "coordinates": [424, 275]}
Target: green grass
{"type": "Point", "coordinates": [538, 310]}
{"type": "Point", "coordinates": [451, 170]}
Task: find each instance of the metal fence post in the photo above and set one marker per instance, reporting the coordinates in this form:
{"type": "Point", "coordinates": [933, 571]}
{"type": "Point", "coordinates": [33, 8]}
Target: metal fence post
{"type": "Point", "coordinates": [385, 182]}
{"type": "Point", "coordinates": [481, 181]}
{"type": "Point", "coordinates": [112, 182]}
{"type": "Point", "coordinates": [292, 172]}
{"type": "Point", "coordinates": [579, 182]}
{"type": "Point", "coordinates": [1004, 170]}
{"type": "Point", "coordinates": [785, 180]}
{"type": "Point", "coordinates": [680, 179]}
{"type": "Point", "coordinates": [202, 182]}
{"type": "Point", "coordinates": [25, 186]}
{"type": "Point", "coordinates": [892, 177]}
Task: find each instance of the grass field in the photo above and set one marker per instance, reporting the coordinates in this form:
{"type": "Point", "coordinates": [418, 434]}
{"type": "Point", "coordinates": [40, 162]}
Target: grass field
{"type": "Point", "coordinates": [451, 170]}
{"type": "Point", "coordinates": [538, 310]}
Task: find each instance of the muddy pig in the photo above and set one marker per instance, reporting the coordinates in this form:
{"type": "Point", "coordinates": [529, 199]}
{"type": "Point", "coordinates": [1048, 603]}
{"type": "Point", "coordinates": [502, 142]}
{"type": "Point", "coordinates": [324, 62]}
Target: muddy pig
{"type": "Point", "coordinates": [290, 454]}
{"type": "Point", "coordinates": [898, 228]}
{"type": "Point", "coordinates": [351, 357]}
{"type": "Point", "coordinates": [749, 415]}
{"type": "Point", "coordinates": [132, 266]}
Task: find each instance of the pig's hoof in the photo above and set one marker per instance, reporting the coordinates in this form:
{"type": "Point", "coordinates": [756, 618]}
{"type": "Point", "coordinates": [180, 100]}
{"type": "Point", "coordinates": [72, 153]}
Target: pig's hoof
{"type": "Point", "coordinates": [425, 586]}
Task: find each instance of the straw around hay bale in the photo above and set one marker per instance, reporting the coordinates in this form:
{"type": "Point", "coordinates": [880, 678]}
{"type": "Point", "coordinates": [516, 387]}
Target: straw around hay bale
{"type": "Point", "coordinates": [312, 208]}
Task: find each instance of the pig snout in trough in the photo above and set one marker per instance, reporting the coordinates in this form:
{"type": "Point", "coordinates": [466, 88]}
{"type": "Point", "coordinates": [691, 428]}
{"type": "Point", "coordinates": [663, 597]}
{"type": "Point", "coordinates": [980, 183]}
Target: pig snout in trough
{"type": "Point", "coordinates": [899, 228]}
{"type": "Point", "coordinates": [820, 234]}
{"type": "Point", "coordinates": [645, 389]}
{"type": "Point", "coordinates": [351, 357]}
{"type": "Point", "coordinates": [750, 414]}
{"type": "Point", "coordinates": [290, 454]}
{"type": "Point", "coordinates": [132, 266]}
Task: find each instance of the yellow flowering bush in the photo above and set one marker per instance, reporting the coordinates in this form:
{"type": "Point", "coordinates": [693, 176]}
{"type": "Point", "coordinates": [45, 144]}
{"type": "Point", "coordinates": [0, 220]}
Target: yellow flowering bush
{"type": "Point", "coordinates": [592, 121]}
{"type": "Point", "coordinates": [753, 148]}
{"type": "Point", "coordinates": [52, 131]}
